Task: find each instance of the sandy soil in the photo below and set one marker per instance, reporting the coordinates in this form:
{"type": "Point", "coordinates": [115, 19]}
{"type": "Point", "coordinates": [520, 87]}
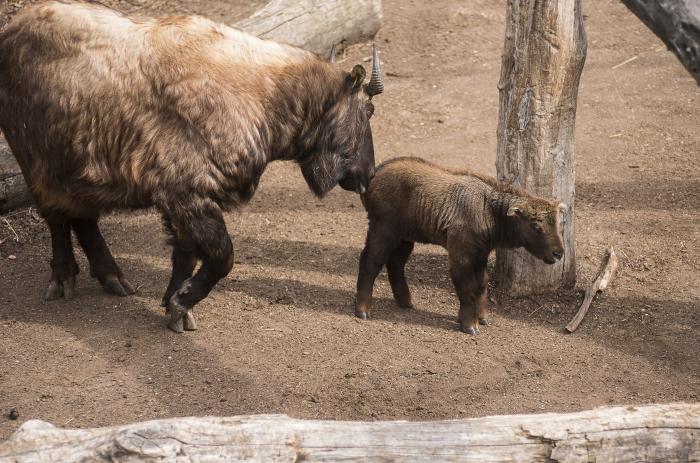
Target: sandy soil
{"type": "Point", "coordinates": [277, 335]}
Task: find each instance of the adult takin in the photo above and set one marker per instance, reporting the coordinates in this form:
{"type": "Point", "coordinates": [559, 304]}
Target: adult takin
{"type": "Point", "coordinates": [412, 200]}
{"type": "Point", "coordinates": [105, 112]}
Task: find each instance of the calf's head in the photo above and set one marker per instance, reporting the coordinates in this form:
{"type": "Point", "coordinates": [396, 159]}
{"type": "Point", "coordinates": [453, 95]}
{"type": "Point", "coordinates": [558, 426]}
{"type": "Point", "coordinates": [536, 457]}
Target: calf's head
{"type": "Point", "coordinates": [536, 223]}
{"type": "Point", "coordinates": [344, 152]}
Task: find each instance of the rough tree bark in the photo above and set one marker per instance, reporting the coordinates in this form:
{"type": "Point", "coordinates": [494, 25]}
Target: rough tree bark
{"type": "Point", "coordinates": [315, 25]}
{"type": "Point", "coordinates": [543, 56]}
{"type": "Point", "coordinates": [13, 190]}
{"type": "Point", "coordinates": [677, 23]}
{"type": "Point", "coordinates": [654, 433]}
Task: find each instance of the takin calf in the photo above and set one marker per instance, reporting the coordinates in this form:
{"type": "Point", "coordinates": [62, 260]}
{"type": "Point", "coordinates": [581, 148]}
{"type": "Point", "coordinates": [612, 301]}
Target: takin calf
{"type": "Point", "coordinates": [182, 114]}
{"type": "Point", "coordinates": [410, 199]}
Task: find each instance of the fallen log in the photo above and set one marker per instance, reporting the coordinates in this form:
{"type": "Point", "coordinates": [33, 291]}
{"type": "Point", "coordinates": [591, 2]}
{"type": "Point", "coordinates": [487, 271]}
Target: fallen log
{"type": "Point", "coordinates": [677, 23]}
{"type": "Point", "coordinates": [605, 275]}
{"type": "Point", "coordinates": [663, 433]}
{"type": "Point", "coordinates": [315, 25]}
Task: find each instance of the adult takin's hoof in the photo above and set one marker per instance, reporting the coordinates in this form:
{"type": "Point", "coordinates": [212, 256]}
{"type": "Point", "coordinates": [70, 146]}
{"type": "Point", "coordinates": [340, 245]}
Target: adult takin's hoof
{"type": "Point", "coordinates": [188, 322]}
{"type": "Point", "coordinates": [362, 315]}
{"type": "Point", "coordinates": [60, 288]}
{"type": "Point", "coordinates": [406, 306]}
{"type": "Point", "coordinates": [178, 313]}
{"type": "Point", "coordinates": [484, 321]}
{"type": "Point", "coordinates": [470, 330]}
{"type": "Point", "coordinates": [118, 286]}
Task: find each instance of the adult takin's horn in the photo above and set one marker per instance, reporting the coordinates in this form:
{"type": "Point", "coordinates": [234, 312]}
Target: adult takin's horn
{"type": "Point", "coordinates": [375, 86]}
{"type": "Point", "coordinates": [331, 58]}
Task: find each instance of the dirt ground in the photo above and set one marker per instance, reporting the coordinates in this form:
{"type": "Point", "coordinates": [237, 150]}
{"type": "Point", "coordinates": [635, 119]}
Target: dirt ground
{"type": "Point", "coordinates": [277, 335]}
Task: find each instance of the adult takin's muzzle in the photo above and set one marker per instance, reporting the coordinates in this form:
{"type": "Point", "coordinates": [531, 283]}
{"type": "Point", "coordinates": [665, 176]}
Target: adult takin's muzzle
{"type": "Point", "coordinates": [357, 180]}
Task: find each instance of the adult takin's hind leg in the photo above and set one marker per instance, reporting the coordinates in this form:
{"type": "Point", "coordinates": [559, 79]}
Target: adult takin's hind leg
{"type": "Point", "coordinates": [102, 264]}
{"type": "Point", "coordinates": [200, 223]}
{"type": "Point", "coordinates": [64, 268]}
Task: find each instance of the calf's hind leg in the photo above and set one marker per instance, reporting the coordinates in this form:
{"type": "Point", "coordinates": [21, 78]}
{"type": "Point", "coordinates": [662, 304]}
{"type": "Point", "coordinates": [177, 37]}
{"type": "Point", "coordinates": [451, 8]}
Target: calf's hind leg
{"type": "Point", "coordinates": [102, 264]}
{"type": "Point", "coordinates": [64, 268]}
{"type": "Point", "coordinates": [202, 224]}
{"type": "Point", "coordinates": [395, 267]}
{"type": "Point", "coordinates": [376, 253]}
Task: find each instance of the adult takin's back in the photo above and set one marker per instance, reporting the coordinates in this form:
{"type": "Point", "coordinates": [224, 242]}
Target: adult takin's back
{"type": "Point", "coordinates": [412, 200]}
{"type": "Point", "coordinates": [103, 112]}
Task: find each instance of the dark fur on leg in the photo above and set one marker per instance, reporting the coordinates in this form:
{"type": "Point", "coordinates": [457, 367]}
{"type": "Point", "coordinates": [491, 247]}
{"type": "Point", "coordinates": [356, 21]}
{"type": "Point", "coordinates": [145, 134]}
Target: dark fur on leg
{"type": "Point", "coordinates": [102, 264]}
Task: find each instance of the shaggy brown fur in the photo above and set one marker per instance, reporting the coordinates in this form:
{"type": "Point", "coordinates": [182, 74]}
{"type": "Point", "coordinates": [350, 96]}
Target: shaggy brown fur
{"type": "Point", "coordinates": [105, 112]}
{"type": "Point", "coordinates": [411, 200]}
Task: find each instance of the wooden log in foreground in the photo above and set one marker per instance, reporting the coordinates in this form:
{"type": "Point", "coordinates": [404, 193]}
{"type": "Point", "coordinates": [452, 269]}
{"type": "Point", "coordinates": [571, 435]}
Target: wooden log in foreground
{"type": "Point", "coordinates": [663, 433]}
{"type": "Point", "coordinates": [315, 25]}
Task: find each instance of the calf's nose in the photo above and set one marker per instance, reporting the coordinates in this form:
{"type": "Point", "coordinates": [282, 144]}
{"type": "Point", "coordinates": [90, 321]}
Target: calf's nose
{"type": "Point", "coordinates": [557, 254]}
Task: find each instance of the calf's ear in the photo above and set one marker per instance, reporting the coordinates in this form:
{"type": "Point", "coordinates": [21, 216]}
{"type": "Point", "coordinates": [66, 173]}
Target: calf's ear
{"type": "Point", "coordinates": [356, 77]}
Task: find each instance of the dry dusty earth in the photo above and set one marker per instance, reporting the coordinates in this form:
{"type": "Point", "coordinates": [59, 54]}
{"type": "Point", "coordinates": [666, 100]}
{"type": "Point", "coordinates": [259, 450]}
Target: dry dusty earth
{"type": "Point", "coordinates": [277, 335]}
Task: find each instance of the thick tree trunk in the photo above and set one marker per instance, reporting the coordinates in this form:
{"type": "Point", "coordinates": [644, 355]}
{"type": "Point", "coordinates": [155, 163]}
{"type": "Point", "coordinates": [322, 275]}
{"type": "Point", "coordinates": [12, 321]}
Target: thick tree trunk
{"type": "Point", "coordinates": [315, 25]}
{"type": "Point", "coordinates": [677, 23]}
{"type": "Point", "coordinates": [544, 52]}
{"type": "Point", "coordinates": [654, 433]}
{"type": "Point", "coordinates": [13, 190]}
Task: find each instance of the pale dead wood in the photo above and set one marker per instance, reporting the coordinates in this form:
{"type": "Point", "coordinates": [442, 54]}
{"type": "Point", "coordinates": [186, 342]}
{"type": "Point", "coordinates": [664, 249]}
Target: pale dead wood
{"type": "Point", "coordinates": [543, 56]}
{"type": "Point", "coordinates": [661, 433]}
{"type": "Point", "coordinates": [605, 274]}
{"type": "Point", "coordinates": [315, 25]}
{"type": "Point", "coordinates": [677, 23]}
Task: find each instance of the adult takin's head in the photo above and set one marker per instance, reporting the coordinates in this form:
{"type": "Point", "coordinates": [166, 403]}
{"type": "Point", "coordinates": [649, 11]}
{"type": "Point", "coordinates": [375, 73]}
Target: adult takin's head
{"type": "Point", "coordinates": [342, 152]}
{"type": "Point", "coordinates": [536, 223]}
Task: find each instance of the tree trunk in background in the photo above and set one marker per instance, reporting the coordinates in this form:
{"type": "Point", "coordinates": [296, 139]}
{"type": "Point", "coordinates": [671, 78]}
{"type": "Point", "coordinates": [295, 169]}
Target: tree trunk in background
{"type": "Point", "coordinates": [315, 25]}
{"type": "Point", "coordinates": [13, 191]}
{"type": "Point", "coordinates": [543, 56]}
{"type": "Point", "coordinates": [677, 23]}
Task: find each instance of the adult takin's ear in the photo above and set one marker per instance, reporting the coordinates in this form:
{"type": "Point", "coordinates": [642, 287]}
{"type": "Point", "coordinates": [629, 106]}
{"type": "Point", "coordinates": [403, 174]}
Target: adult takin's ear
{"type": "Point", "coordinates": [356, 77]}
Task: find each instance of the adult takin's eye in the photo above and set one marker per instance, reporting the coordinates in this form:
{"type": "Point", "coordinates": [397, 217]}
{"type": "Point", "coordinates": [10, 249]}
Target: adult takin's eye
{"type": "Point", "coordinates": [369, 109]}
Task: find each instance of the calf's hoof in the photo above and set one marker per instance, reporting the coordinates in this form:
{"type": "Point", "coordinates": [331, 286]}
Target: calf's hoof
{"type": "Point", "coordinates": [406, 305]}
{"type": "Point", "coordinates": [118, 286]}
{"type": "Point", "coordinates": [484, 321]}
{"type": "Point", "coordinates": [473, 330]}
{"type": "Point", "coordinates": [61, 288]}
{"type": "Point", "coordinates": [362, 315]}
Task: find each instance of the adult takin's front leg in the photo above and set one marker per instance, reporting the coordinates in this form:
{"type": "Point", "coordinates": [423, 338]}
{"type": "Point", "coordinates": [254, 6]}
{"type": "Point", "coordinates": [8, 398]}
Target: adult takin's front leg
{"type": "Point", "coordinates": [102, 264]}
{"type": "Point", "coordinates": [396, 267]}
{"type": "Point", "coordinates": [64, 268]}
{"type": "Point", "coordinates": [378, 249]}
{"type": "Point", "coordinates": [200, 223]}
